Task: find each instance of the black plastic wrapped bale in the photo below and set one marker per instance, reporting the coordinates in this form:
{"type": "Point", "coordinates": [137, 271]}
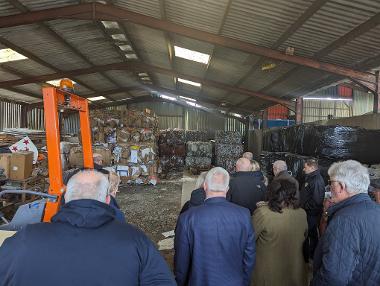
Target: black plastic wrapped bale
{"type": "Point", "coordinates": [266, 162]}
{"type": "Point", "coordinates": [172, 137]}
{"type": "Point", "coordinates": [295, 165]}
{"type": "Point", "coordinates": [198, 162]}
{"type": "Point", "coordinates": [195, 135]}
{"type": "Point", "coordinates": [199, 149]}
{"type": "Point", "coordinates": [228, 137]}
{"type": "Point", "coordinates": [226, 163]}
{"type": "Point", "coordinates": [330, 142]}
{"type": "Point", "coordinates": [172, 150]}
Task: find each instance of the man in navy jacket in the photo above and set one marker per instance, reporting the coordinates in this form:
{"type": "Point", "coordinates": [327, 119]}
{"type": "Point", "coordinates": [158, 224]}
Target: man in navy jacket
{"type": "Point", "coordinates": [214, 242]}
{"type": "Point", "coordinates": [348, 252]}
{"type": "Point", "coordinates": [246, 187]}
{"type": "Point", "coordinates": [83, 245]}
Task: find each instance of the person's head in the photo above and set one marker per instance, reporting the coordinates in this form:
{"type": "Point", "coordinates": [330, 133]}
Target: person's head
{"type": "Point", "coordinates": [200, 180]}
{"type": "Point", "coordinates": [243, 165]}
{"type": "Point", "coordinates": [98, 159]}
{"type": "Point", "coordinates": [248, 155]}
{"type": "Point", "coordinates": [216, 182]}
{"type": "Point", "coordinates": [88, 184]}
{"type": "Point", "coordinates": [283, 193]}
{"type": "Point", "coordinates": [310, 166]}
{"type": "Point", "coordinates": [347, 178]}
{"type": "Point", "coordinates": [255, 165]}
{"type": "Point", "coordinates": [279, 166]}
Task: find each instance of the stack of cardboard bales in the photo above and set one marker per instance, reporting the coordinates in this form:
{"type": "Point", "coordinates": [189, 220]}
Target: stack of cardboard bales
{"type": "Point", "coordinates": [199, 150]}
{"type": "Point", "coordinates": [228, 149]}
{"type": "Point", "coordinates": [131, 136]}
{"type": "Point", "coordinates": [172, 149]}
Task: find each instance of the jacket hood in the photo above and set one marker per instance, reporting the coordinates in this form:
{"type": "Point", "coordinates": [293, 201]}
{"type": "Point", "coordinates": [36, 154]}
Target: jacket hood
{"type": "Point", "coordinates": [85, 213]}
{"type": "Point", "coordinates": [350, 201]}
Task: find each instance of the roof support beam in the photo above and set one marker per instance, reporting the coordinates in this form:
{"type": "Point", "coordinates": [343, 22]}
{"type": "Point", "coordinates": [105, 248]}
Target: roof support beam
{"type": "Point", "coordinates": [138, 66]}
{"type": "Point", "coordinates": [109, 12]}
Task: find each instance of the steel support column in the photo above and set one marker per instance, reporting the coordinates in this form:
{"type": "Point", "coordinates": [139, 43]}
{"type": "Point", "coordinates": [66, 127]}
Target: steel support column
{"type": "Point", "coordinates": [376, 93]}
{"type": "Point", "coordinates": [299, 110]}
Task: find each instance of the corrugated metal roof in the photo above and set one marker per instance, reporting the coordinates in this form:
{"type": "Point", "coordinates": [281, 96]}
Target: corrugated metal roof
{"type": "Point", "coordinates": [16, 96]}
{"type": "Point", "coordinates": [261, 22]}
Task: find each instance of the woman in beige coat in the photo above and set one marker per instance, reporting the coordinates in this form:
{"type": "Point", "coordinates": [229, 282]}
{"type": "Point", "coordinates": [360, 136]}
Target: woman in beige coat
{"type": "Point", "coordinates": [281, 228]}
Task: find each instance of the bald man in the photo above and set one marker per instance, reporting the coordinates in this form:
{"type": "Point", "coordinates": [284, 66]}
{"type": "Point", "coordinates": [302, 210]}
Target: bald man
{"type": "Point", "coordinates": [246, 186]}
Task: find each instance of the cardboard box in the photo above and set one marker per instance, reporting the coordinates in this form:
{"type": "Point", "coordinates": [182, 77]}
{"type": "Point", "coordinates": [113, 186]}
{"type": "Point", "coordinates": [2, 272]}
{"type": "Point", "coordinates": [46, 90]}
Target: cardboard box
{"type": "Point", "coordinates": [5, 163]}
{"type": "Point", "coordinates": [21, 165]}
{"type": "Point", "coordinates": [76, 156]}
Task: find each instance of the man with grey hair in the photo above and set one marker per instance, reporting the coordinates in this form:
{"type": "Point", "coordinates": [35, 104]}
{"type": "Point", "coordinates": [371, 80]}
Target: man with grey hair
{"type": "Point", "coordinates": [247, 187]}
{"type": "Point", "coordinates": [280, 171]}
{"type": "Point", "coordinates": [349, 250]}
{"type": "Point", "coordinates": [214, 243]}
{"type": "Point", "coordinates": [83, 245]}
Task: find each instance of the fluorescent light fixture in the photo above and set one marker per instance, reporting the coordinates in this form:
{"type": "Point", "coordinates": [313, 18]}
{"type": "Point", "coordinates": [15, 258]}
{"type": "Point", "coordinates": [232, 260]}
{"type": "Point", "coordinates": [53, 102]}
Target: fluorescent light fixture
{"type": "Point", "coordinates": [168, 97]}
{"type": "Point", "coordinates": [110, 24]}
{"type": "Point", "coordinates": [191, 103]}
{"type": "Point", "coordinates": [328, 98]}
{"type": "Point", "coordinates": [56, 82]}
{"type": "Point", "coordinates": [119, 37]}
{"type": "Point", "coordinates": [9, 55]}
{"type": "Point", "coordinates": [96, 98]}
{"type": "Point", "coordinates": [145, 78]}
{"type": "Point", "coordinates": [189, 82]}
{"type": "Point", "coordinates": [188, 98]}
{"type": "Point", "coordinates": [126, 48]}
{"type": "Point", "coordinates": [191, 55]}
{"type": "Point", "coordinates": [236, 115]}
{"type": "Point", "coordinates": [131, 56]}
{"type": "Point", "coordinates": [142, 74]}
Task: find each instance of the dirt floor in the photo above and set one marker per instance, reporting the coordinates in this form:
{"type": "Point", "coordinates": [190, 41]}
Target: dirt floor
{"type": "Point", "coordinates": [153, 209]}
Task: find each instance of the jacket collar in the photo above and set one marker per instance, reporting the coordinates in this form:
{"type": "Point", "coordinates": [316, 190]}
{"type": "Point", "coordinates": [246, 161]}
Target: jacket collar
{"type": "Point", "coordinates": [248, 173]}
{"type": "Point", "coordinates": [285, 172]}
{"type": "Point", "coordinates": [85, 214]}
{"type": "Point", "coordinates": [313, 174]}
{"type": "Point", "coordinates": [346, 203]}
{"type": "Point", "coordinates": [215, 200]}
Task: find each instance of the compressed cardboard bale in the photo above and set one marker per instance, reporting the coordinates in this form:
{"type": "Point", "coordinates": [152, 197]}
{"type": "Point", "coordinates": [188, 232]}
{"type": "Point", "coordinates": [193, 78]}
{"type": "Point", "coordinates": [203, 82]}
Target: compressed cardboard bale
{"type": "Point", "coordinates": [199, 149]}
{"type": "Point", "coordinates": [228, 137]}
{"type": "Point", "coordinates": [226, 163]}
{"type": "Point", "coordinates": [76, 157]}
{"type": "Point", "coordinates": [198, 162]}
{"type": "Point", "coordinates": [172, 137]}
{"type": "Point", "coordinates": [172, 163]}
{"type": "Point", "coordinates": [21, 165]}
{"type": "Point", "coordinates": [123, 135]}
{"type": "Point", "coordinates": [5, 163]}
{"type": "Point", "coordinates": [195, 135]}
{"type": "Point", "coordinates": [105, 153]}
{"type": "Point", "coordinates": [228, 150]}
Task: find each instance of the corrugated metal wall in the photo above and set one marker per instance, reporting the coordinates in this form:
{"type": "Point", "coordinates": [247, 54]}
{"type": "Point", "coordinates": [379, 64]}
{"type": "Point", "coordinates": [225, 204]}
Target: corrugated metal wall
{"type": "Point", "coordinates": [363, 102]}
{"type": "Point", "coordinates": [35, 119]}
{"type": "Point", "coordinates": [314, 110]}
{"type": "Point", "coordinates": [174, 116]}
{"type": "Point", "coordinates": [10, 115]}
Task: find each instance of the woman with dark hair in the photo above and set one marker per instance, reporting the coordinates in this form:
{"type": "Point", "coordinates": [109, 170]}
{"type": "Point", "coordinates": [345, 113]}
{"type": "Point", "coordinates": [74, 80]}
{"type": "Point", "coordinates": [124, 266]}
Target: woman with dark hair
{"type": "Point", "coordinates": [281, 229]}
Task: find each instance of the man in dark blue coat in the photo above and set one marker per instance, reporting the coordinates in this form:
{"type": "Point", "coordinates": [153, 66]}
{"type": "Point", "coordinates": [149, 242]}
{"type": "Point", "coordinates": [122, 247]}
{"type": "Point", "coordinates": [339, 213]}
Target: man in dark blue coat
{"type": "Point", "coordinates": [83, 245]}
{"type": "Point", "coordinates": [312, 195]}
{"type": "Point", "coordinates": [214, 242]}
{"type": "Point", "coordinates": [246, 186]}
{"type": "Point", "coordinates": [348, 252]}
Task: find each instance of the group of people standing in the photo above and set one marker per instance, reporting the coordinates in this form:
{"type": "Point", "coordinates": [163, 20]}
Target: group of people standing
{"type": "Point", "coordinates": [236, 230]}
{"type": "Point", "coordinates": [239, 230]}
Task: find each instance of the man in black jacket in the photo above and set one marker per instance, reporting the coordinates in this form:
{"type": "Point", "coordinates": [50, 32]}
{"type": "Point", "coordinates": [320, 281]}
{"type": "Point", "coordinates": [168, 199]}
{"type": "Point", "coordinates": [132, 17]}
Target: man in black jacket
{"type": "Point", "coordinates": [246, 187]}
{"type": "Point", "coordinates": [312, 196]}
{"type": "Point", "coordinates": [83, 245]}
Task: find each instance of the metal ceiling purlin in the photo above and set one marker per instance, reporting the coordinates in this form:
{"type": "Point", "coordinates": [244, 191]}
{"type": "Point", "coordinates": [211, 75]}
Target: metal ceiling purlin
{"type": "Point", "coordinates": [226, 10]}
{"type": "Point", "coordinates": [109, 12]}
{"type": "Point", "coordinates": [364, 27]}
{"type": "Point", "coordinates": [138, 66]}
{"type": "Point", "coordinates": [293, 28]}
{"type": "Point", "coordinates": [168, 37]}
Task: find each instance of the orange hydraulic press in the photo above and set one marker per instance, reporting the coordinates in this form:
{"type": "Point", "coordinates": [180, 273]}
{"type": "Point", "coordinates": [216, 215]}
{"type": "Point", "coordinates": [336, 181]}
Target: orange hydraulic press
{"type": "Point", "coordinates": [56, 100]}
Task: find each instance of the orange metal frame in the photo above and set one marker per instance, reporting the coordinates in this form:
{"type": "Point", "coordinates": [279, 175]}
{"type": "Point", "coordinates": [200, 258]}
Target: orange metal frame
{"type": "Point", "coordinates": [55, 99]}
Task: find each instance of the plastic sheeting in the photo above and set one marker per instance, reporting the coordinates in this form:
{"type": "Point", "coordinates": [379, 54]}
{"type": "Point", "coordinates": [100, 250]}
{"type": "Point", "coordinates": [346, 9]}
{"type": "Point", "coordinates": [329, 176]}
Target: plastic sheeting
{"type": "Point", "coordinates": [329, 142]}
